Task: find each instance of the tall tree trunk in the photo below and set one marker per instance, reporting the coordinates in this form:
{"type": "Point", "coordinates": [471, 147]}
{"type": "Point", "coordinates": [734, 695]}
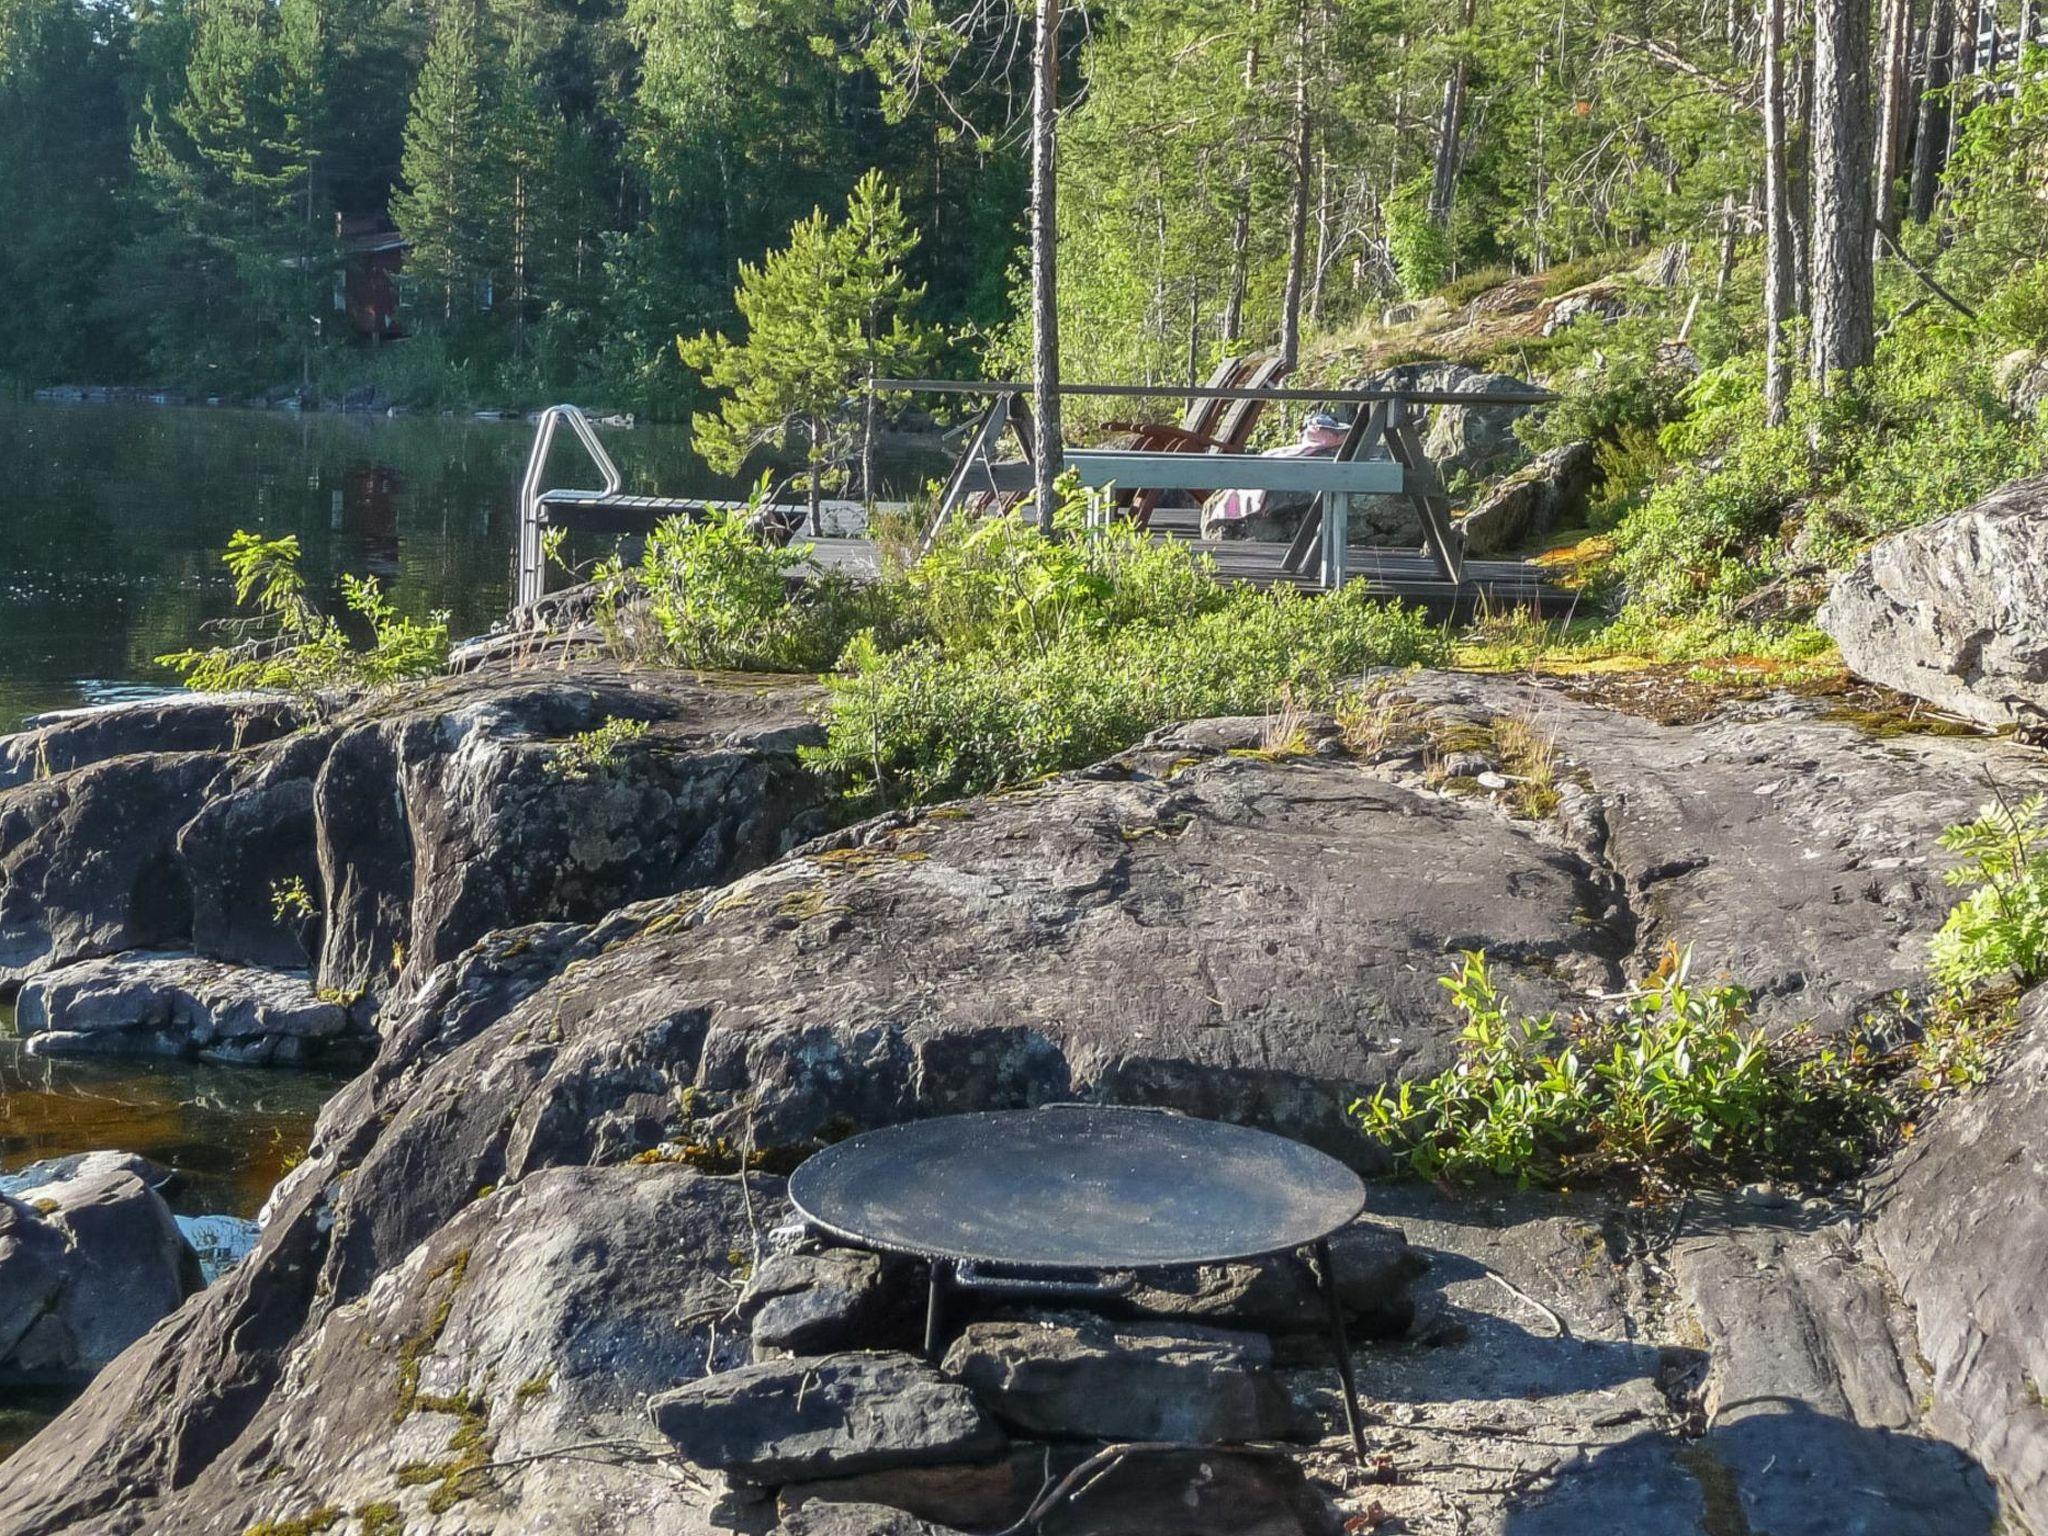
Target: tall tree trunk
{"type": "Point", "coordinates": [1443, 187]}
{"type": "Point", "coordinates": [1297, 225]}
{"type": "Point", "coordinates": [1799, 174]}
{"type": "Point", "coordinates": [1891, 120]}
{"type": "Point", "coordinates": [1777, 219]}
{"type": "Point", "coordinates": [1724, 269]}
{"type": "Point", "coordinates": [1842, 224]}
{"type": "Point", "coordinates": [1930, 144]}
{"type": "Point", "coordinates": [1240, 262]}
{"type": "Point", "coordinates": [1045, 298]}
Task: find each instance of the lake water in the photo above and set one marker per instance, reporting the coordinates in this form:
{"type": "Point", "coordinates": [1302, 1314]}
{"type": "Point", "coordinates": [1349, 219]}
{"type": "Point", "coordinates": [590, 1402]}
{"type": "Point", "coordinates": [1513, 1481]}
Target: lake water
{"type": "Point", "coordinates": [113, 517]}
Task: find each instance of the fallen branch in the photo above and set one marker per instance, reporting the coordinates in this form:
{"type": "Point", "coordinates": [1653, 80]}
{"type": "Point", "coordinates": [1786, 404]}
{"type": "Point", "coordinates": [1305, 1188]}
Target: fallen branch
{"type": "Point", "coordinates": [1927, 278]}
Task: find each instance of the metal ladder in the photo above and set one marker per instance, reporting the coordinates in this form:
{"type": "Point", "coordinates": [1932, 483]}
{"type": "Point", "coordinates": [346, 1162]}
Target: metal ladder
{"type": "Point", "coordinates": [530, 573]}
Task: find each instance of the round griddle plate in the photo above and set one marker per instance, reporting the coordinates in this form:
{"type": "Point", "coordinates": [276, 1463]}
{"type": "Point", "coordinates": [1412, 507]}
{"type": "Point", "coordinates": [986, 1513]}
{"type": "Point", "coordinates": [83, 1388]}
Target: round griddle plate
{"type": "Point", "coordinates": [1076, 1186]}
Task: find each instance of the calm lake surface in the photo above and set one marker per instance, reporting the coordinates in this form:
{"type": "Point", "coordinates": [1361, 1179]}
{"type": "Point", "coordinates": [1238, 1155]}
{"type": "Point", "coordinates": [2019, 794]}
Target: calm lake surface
{"type": "Point", "coordinates": [113, 517]}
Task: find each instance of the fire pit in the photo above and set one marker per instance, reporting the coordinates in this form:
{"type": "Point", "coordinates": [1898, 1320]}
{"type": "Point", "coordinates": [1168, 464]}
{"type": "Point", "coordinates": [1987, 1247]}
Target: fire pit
{"type": "Point", "coordinates": [1020, 1200]}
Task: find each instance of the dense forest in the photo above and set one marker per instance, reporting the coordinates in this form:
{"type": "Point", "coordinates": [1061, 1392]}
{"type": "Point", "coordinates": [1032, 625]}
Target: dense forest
{"type": "Point", "coordinates": [576, 183]}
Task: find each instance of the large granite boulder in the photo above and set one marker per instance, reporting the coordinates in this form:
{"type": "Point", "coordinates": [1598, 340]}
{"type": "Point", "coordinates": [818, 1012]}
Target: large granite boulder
{"type": "Point", "coordinates": [1953, 611]}
{"type": "Point", "coordinates": [1467, 444]}
{"type": "Point", "coordinates": [381, 841]}
{"type": "Point", "coordinates": [1963, 1225]}
{"type": "Point", "coordinates": [1530, 502]}
{"type": "Point", "coordinates": [88, 860]}
{"type": "Point", "coordinates": [90, 1257]}
{"type": "Point", "coordinates": [1463, 441]}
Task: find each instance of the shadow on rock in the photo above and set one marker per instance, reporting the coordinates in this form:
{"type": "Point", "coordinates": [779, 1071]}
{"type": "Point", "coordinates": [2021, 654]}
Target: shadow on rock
{"type": "Point", "coordinates": [1769, 1465]}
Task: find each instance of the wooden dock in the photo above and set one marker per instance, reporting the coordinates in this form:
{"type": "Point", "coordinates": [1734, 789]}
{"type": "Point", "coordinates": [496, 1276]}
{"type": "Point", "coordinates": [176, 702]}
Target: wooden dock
{"type": "Point", "coordinates": [1434, 574]}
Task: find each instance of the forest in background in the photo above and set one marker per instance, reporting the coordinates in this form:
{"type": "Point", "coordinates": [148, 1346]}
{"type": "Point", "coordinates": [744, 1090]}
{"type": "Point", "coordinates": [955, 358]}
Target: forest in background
{"type": "Point", "coordinates": [581, 182]}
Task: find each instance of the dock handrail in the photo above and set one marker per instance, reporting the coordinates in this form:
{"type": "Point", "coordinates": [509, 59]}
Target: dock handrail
{"type": "Point", "coordinates": [530, 578]}
{"type": "Point", "coordinates": [1208, 392]}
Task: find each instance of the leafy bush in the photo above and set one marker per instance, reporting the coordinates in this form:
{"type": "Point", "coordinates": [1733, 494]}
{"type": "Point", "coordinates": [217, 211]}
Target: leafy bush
{"type": "Point", "coordinates": [292, 647]}
{"type": "Point", "coordinates": [596, 753]}
{"type": "Point", "coordinates": [929, 721]}
{"type": "Point", "coordinates": [1999, 931]}
{"type": "Point", "coordinates": [1421, 248]}
{"type": "Point", "coordinates": [1676, 1087]}
{"type": "Point", "coordinates": [718, 595]}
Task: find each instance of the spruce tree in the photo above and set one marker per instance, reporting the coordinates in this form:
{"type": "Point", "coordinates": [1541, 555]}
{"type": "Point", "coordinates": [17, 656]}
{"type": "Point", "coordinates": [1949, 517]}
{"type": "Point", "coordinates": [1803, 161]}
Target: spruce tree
{"type": "Point", "coordinates": [446, 206]}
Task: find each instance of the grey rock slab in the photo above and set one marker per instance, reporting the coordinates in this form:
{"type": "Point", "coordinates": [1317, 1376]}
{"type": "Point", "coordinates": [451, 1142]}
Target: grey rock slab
{"type": "Point", "coordinates": [1798, 855]}
{"type": "Point", "coordinates": [1081, 1376]}
{"type": "Point", "coordinates": [179, 1004]}
{"type": "Point", "coordinates": [1955, 611]}
{"type": "Point", "coordinates": [81, 1165]}
{"type": "Point", "coordinates": [88, 860]}
{"type": "Point", "coordinates": [89, 1260]}
{"type": "Point", "coordinates": [1793, 1314]}
{"type": "Point", "coordinates": [823, 1416]}
{"type": "Point", "coordinates": [1962, 1225]}
{"type": "Point", "coordinates": [62, 740]}
{"type": "Point", "coordinates": [542, 1314]}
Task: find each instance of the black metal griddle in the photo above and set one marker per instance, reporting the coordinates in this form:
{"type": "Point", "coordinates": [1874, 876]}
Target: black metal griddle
{"type": "Point", "coordinates": [1029, 1199]}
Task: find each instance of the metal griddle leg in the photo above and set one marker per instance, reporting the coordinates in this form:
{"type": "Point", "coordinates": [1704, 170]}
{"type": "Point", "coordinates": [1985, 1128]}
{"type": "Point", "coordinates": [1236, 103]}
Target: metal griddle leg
{"type": "Point", "coordinates": [1326, 1277]}
{"type": "Point", "coordinates": [934, 1297]}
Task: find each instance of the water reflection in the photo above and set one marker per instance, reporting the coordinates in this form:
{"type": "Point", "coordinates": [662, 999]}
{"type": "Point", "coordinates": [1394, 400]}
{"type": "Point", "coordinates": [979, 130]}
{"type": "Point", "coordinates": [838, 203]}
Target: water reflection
{"type": "Point", "coordinates": [112, 519]}
{"type": "Point", "coordinates": [229, 1132]}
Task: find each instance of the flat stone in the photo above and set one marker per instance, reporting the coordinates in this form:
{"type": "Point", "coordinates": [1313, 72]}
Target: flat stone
{"type": "Point", "coordinates": [815, 1303]}
{"type": "Point", "coordinates": [832, 1415]}
{"type": "Point", "coordinates": [179, 1005]}
{"type": "Point", "coordinates": [1083, 1376]}
{"type": "Point", "coordinates": [1376, 1269]}
{"type": "Point", "coordinates": [975, 1496]}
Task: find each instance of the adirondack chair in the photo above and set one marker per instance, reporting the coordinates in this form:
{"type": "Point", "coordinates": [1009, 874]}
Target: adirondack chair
{"type": "Point", "coordinates": [1230, 430]}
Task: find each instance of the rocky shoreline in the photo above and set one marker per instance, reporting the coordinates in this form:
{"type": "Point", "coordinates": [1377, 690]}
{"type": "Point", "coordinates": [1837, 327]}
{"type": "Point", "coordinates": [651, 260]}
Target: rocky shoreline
{"type": "Point", "coordinates": [592, 996]}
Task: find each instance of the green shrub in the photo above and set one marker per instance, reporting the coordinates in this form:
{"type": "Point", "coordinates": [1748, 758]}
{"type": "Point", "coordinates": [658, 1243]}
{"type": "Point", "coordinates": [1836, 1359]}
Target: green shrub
{"type": "Point", "coordinates": [1678, 1087]}
{"type": "Point", "coordinates": [1999, 931]}
{"type": "Point", "coordinates": [292, 647]}
{"type": "Point", "coordinates": [1421, 249]}
{"type": "Point", "coordinates": [596, 753]}
{"type": "Point", "coordinates": [928, 722]}
{"type": "Point", "coordinates": [718, 595]}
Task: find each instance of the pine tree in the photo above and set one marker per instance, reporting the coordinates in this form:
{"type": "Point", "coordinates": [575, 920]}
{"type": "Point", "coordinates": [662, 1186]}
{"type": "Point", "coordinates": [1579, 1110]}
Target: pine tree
{"type": "Point", "coordinates": [826, 313]}
{"type": "Point", "coordinates": [448, 207]}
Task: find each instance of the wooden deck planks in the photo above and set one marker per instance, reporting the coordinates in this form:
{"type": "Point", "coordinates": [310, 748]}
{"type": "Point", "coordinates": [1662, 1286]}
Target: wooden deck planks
{"type": "Point", "coordinates": [1409, 575]}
